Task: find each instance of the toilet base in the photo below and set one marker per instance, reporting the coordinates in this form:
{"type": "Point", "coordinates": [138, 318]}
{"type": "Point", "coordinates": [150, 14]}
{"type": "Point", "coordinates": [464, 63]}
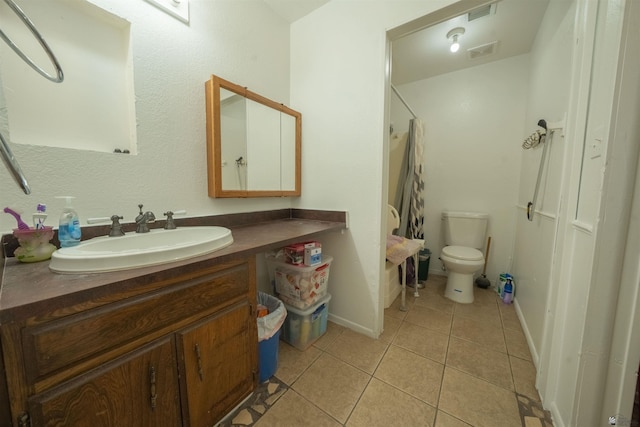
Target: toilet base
{"type": "Point", "coordinates": [459, 287]}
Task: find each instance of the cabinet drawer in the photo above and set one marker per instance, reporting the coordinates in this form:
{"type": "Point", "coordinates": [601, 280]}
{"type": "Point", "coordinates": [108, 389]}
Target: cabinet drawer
{"type": "Point", "coordinates": [61, 343]}
{"type": "Point", "coordinates": [137, 389]}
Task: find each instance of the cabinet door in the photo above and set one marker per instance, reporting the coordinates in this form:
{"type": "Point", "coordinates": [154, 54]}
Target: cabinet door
{"type": "Point", "coordinates": [218, 364]}
{"type": "Point", "coordinates": [138, 389]}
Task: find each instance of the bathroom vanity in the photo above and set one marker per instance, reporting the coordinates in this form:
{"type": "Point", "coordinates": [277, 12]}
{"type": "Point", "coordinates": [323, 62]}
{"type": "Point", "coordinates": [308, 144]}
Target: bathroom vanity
{"type": "Point", "coordinates": [165, 345]}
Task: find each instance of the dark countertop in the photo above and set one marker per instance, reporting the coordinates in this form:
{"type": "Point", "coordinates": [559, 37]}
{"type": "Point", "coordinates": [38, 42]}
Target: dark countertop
{"type": "Point", "coordinates": [32, 290]}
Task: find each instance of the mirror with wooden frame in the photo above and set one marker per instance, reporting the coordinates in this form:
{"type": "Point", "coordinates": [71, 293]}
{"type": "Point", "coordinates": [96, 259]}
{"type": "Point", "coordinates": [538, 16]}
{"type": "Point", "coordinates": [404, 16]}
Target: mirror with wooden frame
{"type": "Point", "coordinates": [253, 143]}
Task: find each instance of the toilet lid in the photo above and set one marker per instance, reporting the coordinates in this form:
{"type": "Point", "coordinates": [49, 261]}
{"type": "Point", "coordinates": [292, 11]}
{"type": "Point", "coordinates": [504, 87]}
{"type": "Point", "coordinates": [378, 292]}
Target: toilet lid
{"type": "Point", "coordinates": [462, 252]}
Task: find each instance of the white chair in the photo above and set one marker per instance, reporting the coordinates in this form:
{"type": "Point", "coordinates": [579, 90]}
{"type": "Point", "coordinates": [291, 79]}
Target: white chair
{"type": "Point", "coordinates": [393, 219]}
{"type": "Point", "coordinates": [393, 222]}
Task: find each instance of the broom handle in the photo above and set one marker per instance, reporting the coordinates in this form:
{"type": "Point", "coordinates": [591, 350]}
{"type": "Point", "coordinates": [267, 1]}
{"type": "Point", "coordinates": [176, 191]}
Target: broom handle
{"type": "Point", "coordinates": [486, 257]}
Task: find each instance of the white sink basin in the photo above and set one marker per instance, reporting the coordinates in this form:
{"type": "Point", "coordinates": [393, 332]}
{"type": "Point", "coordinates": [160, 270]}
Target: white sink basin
{"type": "Point", "coordinates": [139, 250]}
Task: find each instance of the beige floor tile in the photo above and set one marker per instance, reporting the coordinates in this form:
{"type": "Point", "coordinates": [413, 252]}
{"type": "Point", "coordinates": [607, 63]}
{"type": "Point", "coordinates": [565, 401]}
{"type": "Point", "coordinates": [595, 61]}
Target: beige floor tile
{"type": "Point", "coordinates": [391, 326]}
{"type": "Point", "coordinates": [332, 385]}
{"type": "Point", "coordinates": [383, 405]}
{"type": "Point", "coordinates": [484, 295]}
{"type": "Point", "coordinates": [486, 313]}
{"type": "Point", "coordinates": [358, 350]}
{"type": "Point", "coordinates": [477, 402]}
{"type": "Point", "coordinates": [429, 318]}
{"type": "Point", "coordinates": [532, 422]}
{"type": "Point", "coordinates": [479, 361]}
{"type": "Point", "coordinates": [423, 341]}
{"type": "Point", "coordinates": [505, 307]}
{"type": "Point", "coordinates": [445, 420]}
{"type": "Point", "coordinates": [517, 344]}
{"type": "Point", "coordinates": [435, 299]}
{"type": "Point", "coordinates": [510, 320]}
{"type": "Point", "coordinates": [436, 281]}
{"type": "Point", "coordinates": [412, 374]}
{"type": "Point", "coordinates": [401, 378]}
{"type": "Point", "coordinates": [524, 377]}
{"type": "Point", "coordinates": [394, 308]}
{"type": "Point", "coordinates": [333, 331]}
{"type": "Point", "coordinates": [293, 410]}
{"type": "Point", "coordinates": [490, 336]}
{"type": "Point", "coordinates": [293, 362]}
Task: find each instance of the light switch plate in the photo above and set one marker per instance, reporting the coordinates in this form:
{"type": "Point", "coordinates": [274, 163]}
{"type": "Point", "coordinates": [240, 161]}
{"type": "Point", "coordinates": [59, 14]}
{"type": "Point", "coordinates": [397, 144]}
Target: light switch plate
{"type": "Point", "coordinates": [177, 8]}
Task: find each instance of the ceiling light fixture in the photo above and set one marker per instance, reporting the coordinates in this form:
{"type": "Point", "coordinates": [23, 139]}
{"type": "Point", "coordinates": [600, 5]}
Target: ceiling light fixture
{"type": "Point", "coordinates": [453, 35]}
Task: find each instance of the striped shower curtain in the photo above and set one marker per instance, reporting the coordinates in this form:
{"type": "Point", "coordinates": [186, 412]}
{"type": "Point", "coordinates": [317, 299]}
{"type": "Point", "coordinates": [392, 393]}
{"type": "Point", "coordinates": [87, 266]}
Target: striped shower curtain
{"type": "Point", "coordinates": [409, 197]}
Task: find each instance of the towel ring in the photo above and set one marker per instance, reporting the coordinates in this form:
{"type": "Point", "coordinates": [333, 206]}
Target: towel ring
{"type": "Point", "coordinates": [59, 76]}
{"type": "Point", "coordinates": [12, 164]}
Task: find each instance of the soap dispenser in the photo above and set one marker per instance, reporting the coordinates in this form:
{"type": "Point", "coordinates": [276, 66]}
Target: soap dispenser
{"type": "Point", "coordinates": [69, 231]}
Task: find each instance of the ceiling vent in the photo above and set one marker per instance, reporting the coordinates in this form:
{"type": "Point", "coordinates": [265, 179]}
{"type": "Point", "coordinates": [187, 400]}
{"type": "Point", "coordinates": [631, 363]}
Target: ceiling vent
{"type": "Point", "coordinates": [481, 12]}
{"type": "Point", "coordinates": [483, 50]}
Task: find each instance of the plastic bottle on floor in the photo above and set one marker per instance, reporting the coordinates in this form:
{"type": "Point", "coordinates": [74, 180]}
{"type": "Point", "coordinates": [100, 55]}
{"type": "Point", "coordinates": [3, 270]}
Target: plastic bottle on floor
{"type": "Point", "coordinates": [508, 292]}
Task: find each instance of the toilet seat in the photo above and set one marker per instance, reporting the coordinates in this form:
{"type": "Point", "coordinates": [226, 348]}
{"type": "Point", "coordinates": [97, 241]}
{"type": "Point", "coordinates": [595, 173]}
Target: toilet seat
{"type": "Point", "coordinates": [462, 253]}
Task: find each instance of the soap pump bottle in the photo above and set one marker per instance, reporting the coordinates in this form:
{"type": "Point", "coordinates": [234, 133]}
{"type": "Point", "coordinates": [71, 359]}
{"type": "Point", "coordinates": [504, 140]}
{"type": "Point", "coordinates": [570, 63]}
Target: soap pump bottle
{"type": "Point", "coordinates": [69, 232]}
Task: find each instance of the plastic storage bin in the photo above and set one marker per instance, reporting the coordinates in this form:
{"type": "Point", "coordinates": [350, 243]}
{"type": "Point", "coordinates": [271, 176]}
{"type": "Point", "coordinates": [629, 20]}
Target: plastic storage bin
{"type": "Point", "coordinates": [302, 328]}
{"type": "Point", "coordinates": [300, 286]}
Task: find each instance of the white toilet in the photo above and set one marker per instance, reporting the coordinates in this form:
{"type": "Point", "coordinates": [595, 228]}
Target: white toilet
{"type": "Point", "coordinates": [464, 234]}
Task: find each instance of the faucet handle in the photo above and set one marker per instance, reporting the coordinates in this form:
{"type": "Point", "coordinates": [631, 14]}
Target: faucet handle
{"type": "Point", "coordinates": [103, 219]}
{"type": "Point", "coordinates": [170, 224]}
{"type": "Point", "coordinates": [116, 227]}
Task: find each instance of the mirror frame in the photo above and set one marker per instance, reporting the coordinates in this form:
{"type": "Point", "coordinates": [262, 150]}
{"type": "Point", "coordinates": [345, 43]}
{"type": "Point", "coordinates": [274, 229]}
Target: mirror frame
{"type": "Point", "coordinates": [214, 140]}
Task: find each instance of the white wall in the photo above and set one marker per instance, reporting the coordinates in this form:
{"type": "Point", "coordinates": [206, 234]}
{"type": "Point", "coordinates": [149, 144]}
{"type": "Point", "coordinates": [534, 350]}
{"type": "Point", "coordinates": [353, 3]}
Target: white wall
{"type": "Point", "coordinates": [62, 115]}
{"type": "Point", "coordinates": [338, 59]}
{"type": "Point", "coordinates": [567, 300]}
{"type": "Point", "coordinates": [338, 82]}
{"type": "Point", "coordinates": [606, 181]}
{"type": "Point", "coordinates": [548, 99]}
{"type": "Point", "coordinates": [473, 131]}
{"type": "Point", "coordinates": [622, 377]}
{"type": "Point", "coordinates": [244, 42]}
{"type": "Point", "coordinates": [337, 77]}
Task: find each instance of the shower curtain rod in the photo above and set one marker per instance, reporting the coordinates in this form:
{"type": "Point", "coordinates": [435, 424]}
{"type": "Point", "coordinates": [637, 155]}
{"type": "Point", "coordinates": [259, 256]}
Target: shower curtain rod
{"type": "Point", "coordinates": [403, 101]}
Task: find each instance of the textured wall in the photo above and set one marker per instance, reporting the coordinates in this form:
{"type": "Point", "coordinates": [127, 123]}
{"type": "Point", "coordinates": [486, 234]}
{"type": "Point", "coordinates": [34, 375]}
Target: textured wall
{"type": "Point", "coordinates": [244, 42]}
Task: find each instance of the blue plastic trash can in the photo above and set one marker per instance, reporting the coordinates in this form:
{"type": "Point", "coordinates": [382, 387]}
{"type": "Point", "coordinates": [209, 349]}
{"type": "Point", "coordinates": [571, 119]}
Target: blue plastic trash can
{"type": "Point", "coordinates": [269, 335]}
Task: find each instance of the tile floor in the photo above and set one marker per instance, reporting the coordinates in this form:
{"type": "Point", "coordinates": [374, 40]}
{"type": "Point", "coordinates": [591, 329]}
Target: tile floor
{"type": "Point", "coordinates": [439, 364]}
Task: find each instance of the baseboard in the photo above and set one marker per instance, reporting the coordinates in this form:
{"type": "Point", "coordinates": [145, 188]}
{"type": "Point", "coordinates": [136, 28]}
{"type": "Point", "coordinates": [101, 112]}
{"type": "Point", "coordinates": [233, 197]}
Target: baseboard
{"type": "Point", "coordinates": [353, 326]}
{"type": "Point", "coordinates": [527, 334]}
{"type": "Point", "coordinates": [555, 416]}
{"type": "Point", "coordinates": [551, 407]}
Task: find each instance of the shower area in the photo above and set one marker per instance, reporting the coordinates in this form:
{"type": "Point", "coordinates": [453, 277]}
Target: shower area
{"type": "Point", "coordinates": [405, 208]}
{"type": "Point", "coordinates": [476, 109]}
{"type": "Point", "coordinates": [544, 199]}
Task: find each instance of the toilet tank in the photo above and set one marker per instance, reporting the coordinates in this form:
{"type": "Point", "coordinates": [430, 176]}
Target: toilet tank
{"type": "Point", "coordinates": [465, 228]}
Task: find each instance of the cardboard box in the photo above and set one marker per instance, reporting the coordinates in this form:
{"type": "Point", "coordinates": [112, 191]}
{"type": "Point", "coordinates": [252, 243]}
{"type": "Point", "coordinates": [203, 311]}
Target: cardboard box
{"type": "Point", "coordinates": [312, 256]}
{"type": "Point", "coordinates": [294, 253]}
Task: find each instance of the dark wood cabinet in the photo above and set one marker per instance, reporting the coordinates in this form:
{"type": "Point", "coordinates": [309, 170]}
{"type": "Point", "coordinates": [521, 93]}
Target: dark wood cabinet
{"type": "Point", "coordinates": [183, 353]}
{"type": "Point", "coordinates": [217, 372]}
{"type": "Point", "coordinates": [138, 389]}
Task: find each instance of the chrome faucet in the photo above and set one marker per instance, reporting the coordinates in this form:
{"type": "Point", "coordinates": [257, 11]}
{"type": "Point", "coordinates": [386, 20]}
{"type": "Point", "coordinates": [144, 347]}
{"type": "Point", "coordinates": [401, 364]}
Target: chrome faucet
{"type": "Point", "coordinates": [143, 219]}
